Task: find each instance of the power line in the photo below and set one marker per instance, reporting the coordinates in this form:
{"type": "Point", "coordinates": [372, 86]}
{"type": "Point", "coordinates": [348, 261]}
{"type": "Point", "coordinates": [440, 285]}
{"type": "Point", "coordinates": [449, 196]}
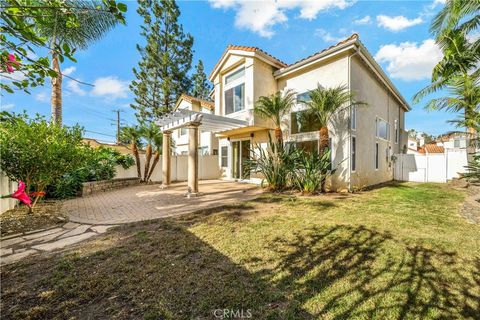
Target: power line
{"type": "Point", "coordinates": [100, 133]}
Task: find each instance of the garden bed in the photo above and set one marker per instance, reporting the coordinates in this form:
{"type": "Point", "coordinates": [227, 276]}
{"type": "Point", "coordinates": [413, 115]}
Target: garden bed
{"type": "Point", "coordinates": [19, 220]}
{"type": "Point", "coordinates": [104, 185]}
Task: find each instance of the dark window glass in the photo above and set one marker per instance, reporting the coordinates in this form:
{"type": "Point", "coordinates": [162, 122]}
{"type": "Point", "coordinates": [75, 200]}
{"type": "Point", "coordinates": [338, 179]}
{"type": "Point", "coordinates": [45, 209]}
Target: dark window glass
{"type": "Point", "coordinates": [376, 155]}
{"type": "Point", "coordinates": [224, 156]}
{"type": "Point", "coordinates": [239, 97]}
{"type": "Point", "coordinates": [308, 146]}
{"type": "Point", "coordinates": [303, 121]}
{"type": "Point", "coordinates": [303, 97]}
{"type": "Point", "coordinates": [354, 153]}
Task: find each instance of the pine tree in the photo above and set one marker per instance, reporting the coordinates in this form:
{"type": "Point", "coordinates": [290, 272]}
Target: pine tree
{"type": "Point", "coordinates": [161, 76]}
{"type": "Point", "coordinates": [201, 87]}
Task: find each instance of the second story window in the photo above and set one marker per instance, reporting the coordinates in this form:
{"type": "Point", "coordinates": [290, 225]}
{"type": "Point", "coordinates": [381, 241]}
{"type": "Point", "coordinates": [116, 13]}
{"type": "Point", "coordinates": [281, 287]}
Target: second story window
{"type": "Point", "coordinates": [353, 118]}
{"type": "Point", "coordinates": [235, 91]}
{"type": "Point", "coordinates": [303, 97]}
{"type": "Point", "coordinates": [303, 121]}
{"type": "Point", "coordinates": [383, 129]}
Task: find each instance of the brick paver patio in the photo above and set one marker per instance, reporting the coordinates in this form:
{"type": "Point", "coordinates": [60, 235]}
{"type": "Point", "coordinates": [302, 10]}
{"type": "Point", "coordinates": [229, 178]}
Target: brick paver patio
{"type": "Point", "coordinates": [146, 202]}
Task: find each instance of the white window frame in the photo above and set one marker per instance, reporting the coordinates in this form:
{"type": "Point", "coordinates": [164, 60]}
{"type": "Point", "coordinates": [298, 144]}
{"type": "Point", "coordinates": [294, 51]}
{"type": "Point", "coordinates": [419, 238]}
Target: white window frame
{"type": "Point", "coordinates": [233, 84]}
{"type": "Point", "coordinates": [376, 128]}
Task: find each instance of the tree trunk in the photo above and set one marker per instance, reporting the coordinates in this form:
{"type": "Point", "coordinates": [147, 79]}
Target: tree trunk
{"type": "Point", "coordinates": [156, 158]}
{"type": "Point", "coordinates": [56, 99]}
{"type": "Point", "coordinates": [323, 140]}
{"type": "Point", "coordinates": [137, 159]}
{"type": "Point", "coordinates": [279, 135]}
{"type": "Point", "coordinates": [148, 158]}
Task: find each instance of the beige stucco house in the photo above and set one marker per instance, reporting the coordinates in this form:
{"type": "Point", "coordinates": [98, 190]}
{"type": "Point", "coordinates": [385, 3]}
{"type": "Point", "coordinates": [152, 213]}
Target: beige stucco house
{"type": "Point", "coordinates": [208, 142]}
{"type": "Point", "coordinates": [363, 139]}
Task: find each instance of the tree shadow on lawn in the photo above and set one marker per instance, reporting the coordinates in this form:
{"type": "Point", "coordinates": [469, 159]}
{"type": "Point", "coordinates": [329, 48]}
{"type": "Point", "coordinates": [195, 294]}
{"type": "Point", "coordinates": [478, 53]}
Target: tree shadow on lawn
{"type": "Point", "coordinates": [160, 270]}
{"type": "Point", "coordinates": [344, 272]}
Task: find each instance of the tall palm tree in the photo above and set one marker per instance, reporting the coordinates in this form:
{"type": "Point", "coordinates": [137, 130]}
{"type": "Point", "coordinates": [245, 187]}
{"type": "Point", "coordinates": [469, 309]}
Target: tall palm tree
{"type": "Point", "coordinates": [93, 22]}
{"type": "Point", "coordinates": [157, 144]}
{"type": "Point", "coordinates": [131, 135]}
{"type": "Point", "coordinates": [275, 107]}
{"type": "Point", "coordinates": [150, 132]}
{"type": "Point", "coordinates": [326, 102]}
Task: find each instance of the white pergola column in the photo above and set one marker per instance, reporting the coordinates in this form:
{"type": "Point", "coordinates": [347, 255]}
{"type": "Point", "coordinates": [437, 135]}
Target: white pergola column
{"type": "Point", "coordinates": [166, 159]}
{"type": "Point", "coordinates": [193, 159]}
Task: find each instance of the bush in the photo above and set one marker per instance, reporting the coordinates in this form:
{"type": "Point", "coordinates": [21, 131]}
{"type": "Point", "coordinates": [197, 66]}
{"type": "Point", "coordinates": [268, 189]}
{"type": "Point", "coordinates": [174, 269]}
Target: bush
{"type": "Point", "coordinates": [473, 170]}
{"type": "Point", "coordinates": [311, 171]}
{"type": "Point", "coordinates": [286, 167]}
{"type": "Point", "coordinates": [99, 165]}
{"type": "Point", "coordinates": [38, 152]}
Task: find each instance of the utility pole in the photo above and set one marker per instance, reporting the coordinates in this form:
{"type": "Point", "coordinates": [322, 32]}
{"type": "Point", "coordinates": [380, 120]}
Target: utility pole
{"type": "Point", "coordinates": [118, 125]}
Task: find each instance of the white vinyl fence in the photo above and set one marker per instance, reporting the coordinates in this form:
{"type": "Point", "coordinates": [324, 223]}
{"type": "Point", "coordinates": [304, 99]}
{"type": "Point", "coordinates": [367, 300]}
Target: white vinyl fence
{"type": "Point", "coordinates": [208, 169]}
{"type": "Point", "coordinates": [436, 167]}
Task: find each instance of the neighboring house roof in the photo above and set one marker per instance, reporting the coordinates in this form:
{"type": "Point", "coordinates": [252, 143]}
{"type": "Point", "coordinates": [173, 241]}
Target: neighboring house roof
{"type": "Point", "coordinates": [119, 147]}
{"type": "Point", "coordinates": [203, 103]}
{"type": "Point", "coordinates": [231, 48]}
{"type": "Point", "coordinates": [431, 148]}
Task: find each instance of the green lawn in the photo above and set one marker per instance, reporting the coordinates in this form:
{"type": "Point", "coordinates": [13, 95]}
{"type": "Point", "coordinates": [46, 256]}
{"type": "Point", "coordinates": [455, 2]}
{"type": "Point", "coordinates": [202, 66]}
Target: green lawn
{"type": "Point", "coordinates": [397, 252]}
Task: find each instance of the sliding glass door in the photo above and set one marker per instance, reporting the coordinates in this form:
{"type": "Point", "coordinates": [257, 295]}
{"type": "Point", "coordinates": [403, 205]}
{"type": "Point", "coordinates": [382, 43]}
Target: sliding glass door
{"type": "Point", "coordinates": [240, 156]}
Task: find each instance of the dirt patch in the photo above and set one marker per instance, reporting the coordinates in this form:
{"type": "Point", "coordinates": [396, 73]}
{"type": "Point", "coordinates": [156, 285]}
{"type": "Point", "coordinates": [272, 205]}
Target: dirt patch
{"type": "Point", "coordinates": [19, 220]}
{"type": "Point", "coordinates": [471, 206]}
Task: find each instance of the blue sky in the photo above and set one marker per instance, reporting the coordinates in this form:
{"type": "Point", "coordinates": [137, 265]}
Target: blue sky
{"type": "Point", "coordinates": [395, 33]}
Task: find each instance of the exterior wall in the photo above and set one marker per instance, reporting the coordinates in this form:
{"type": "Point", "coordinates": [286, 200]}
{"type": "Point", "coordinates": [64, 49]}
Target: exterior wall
{"type": "Point", "coordinates": [208, 141]}
{"type": "Point", "coordinates": [382, 105]}
{"type": "Point", "coordinates": [328, 74]}
{"type": "Point", "coordinates": [264, 84]}
{"type": "Point", "coordinates": [7, 187]}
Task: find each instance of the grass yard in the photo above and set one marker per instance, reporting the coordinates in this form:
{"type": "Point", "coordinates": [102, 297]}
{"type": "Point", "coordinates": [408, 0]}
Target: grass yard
{"type": "Point", "coordinates": [397, 252]}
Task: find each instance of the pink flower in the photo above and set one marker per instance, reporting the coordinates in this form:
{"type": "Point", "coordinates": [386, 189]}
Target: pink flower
{"type": "Point", "coordinates": [9, 64]}
{"type": "Point", "coordinates": [21, 195]}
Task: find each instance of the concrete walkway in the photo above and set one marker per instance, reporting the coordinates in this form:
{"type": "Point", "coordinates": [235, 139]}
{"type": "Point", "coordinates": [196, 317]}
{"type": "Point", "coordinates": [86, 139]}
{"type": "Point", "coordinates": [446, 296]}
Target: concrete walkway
{"type": "Point", "coordinates": [146, 202]}
{"type": "Point", "coordinates": [18, 246]}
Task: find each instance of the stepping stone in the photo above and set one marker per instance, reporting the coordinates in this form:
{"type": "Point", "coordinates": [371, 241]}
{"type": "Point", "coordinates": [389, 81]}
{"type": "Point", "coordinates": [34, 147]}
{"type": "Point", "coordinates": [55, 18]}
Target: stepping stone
{"type": "Point", "coordinates": [15, 257]}
{"type": "Point", "coordinates": [44, 233]}
{"type": "Point", "coordinates": [71, 225]}
{"type": "Point", "coordinates": [10, 242]}
{"type": "Point", "coordinates": [4, 252]}
{"type": "Point", "coordinates": [62, 243]}
{"type": "Point", "coordinates": [102, 229]}
{"type": "Point", "coordinates": [78, 230]}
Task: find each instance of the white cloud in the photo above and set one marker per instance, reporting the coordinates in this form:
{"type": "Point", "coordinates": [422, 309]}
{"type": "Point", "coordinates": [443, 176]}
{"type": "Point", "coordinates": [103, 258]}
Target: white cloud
{"type": "Point", "coordinates": [397, 23]}
{"type": "Point", "coordinates": [410, 61]}
{"type": "Point", "coordinates": [364, 20]}
{"type": "Point", "coordinates": [110, 87]}
{"type": "Point", "coordinates": [42, 96]}
{"type": "Point", "coordinates": [7, 106]}
{"type": "Point", "coordinates": [74, 86]}
{"type": "Point", "coordinates": [261, 16]}
{"type": "Point", "coordinates": [68, 71]}
{"type": "Point", "coordinates": [327, 36]}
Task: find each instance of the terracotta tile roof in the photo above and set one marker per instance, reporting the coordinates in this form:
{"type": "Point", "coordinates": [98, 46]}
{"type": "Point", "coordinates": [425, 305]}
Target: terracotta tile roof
{"type": "Point", "coordinates": [248, 49]}
{"type": "Point", "coordinates": [204, 103]}
{"type": "Point", "coordinates": [431, 148]}
{"type": "Point", "coordinates": [354, 36]}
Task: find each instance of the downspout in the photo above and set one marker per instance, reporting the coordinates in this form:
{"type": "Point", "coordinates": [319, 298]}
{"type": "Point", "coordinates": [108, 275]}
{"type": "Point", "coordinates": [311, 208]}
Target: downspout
{"type": "Point", "coordinates": [350, 120]}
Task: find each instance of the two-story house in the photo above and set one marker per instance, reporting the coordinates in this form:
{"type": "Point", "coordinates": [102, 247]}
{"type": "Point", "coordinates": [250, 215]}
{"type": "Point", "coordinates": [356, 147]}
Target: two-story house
{"type": "Point", "coordinates": [363, 139]}
{"type": "Point", "coordinates": [208, 143]}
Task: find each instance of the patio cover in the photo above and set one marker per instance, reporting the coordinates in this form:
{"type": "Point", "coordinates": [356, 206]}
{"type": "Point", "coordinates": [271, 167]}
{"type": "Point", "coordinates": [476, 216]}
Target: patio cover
{"type": "Point", "coordinates": [207, 122]}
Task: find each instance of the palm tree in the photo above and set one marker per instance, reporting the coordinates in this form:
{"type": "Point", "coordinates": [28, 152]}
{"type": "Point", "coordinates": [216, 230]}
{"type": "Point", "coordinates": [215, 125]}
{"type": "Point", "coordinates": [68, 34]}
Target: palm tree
{"type": "Point", "coordinates": [157, 143]}
{"type": "Point", "coordinates": [275, 107]}
{"type": "Point", "coordinates": [324, 103]}
{"type": "Point", "coordinates": [463, 96]}
{"type": "Point", "coordinates": [131, 135]}
{"type": "Point", "coordinates": [93, 22]}
{"type": "Point", "coordinates": [150, 132]}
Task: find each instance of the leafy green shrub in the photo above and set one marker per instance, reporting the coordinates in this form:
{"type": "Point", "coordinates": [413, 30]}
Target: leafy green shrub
{"type": "Point", "coordinates": [473, 170]}
{"type": "Point", "coordinates": [276, 163]}
{"type": "Point", "coordinates": [99, 165]}
{"type": "Point", "coordinates": [38, 152]}
{"type": "Point", "coordinates": [311, 171]}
